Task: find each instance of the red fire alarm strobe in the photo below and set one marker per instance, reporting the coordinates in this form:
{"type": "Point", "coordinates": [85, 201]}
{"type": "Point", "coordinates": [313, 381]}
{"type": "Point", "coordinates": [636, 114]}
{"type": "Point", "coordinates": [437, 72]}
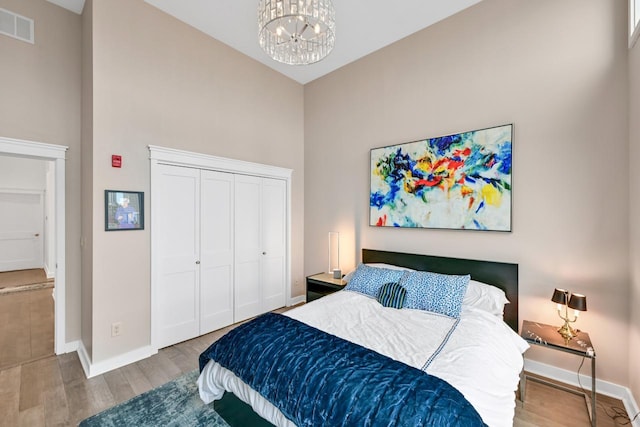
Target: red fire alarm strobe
{"type": "Point", "coordinates": [116, 161]}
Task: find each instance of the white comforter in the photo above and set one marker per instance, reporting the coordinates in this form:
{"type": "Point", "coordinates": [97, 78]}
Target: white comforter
{"type": "Point", "coordinates": [479, 354]}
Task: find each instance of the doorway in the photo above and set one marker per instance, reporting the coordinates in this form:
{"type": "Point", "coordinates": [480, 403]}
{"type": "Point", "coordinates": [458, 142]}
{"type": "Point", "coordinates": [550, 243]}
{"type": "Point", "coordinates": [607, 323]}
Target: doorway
{"type": "Point", "coordinates": [55, 155]}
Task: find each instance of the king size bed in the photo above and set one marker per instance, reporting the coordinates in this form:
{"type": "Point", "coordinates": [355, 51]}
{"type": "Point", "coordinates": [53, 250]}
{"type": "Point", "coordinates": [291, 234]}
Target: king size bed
{"type": "Point", "coordinates": [412, 340]}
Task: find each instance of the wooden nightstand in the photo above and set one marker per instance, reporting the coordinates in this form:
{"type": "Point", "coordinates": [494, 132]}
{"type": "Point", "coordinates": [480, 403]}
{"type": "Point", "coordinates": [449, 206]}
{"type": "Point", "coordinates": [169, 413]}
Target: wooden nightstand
{"type": "Point", "coordinates": [547, 336]}
{"type": "Point", "coordinates": [321, 284]}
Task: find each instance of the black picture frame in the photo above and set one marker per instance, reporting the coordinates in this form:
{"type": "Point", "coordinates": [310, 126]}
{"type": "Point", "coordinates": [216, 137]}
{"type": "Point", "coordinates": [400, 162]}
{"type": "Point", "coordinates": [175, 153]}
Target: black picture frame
{"type": "Point", "coordinates": [123, 210]}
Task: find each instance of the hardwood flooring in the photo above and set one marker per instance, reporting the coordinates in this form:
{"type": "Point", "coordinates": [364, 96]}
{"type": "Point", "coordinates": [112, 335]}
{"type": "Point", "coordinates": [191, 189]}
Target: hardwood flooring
{"type": "Point", "coordinates": [54, 391]}
{"type": "Point", "coordinates": [14, 279]}
{"type": "Point", "coordinates": [547, 406]}
{"type": "Point", "coordinates": [26, 326]}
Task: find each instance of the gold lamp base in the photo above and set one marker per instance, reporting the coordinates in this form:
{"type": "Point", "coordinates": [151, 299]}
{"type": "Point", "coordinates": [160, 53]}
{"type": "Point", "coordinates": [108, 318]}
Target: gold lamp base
{"type": "Point", "coordinates": [567, 331]}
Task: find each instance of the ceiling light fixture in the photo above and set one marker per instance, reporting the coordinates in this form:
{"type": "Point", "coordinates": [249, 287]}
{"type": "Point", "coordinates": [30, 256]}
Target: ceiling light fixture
{"type": "Point", "coordinates": [296, 32]}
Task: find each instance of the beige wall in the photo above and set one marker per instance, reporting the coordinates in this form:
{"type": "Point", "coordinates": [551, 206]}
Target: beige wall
{"type": "Point", "coordinates": [557, 71]}
{"type": "Point", "coordinates": [40, 101]}
{"type": "Point", "coordinates": [87, 177]}
{"type": "Point", "coordinates": [158, 81]}
{"type": "Point", "coordinates": [634, 179]}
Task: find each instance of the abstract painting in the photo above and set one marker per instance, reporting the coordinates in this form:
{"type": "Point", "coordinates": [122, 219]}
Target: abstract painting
{"type": "Point", "coordinates": [459, 181]}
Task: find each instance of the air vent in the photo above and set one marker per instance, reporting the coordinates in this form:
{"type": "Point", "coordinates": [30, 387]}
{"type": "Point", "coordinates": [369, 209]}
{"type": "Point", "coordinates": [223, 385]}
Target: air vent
{"type": "Point", "coordinates": [16, 26]}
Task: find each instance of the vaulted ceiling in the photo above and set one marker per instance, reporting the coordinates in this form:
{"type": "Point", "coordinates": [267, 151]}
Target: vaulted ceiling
{"type": "Point", "coordinates": [362, 26]}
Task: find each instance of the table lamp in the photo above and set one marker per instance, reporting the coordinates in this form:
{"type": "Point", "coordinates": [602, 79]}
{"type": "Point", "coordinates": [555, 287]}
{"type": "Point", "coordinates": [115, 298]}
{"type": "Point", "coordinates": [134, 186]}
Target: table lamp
{"type": "Point", "coordinates": [577, 302]}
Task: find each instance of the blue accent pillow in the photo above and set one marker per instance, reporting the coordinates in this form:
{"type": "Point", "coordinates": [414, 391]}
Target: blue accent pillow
{"type": "Point", "coordinates": [392, 295]}
{"type": "Point", "coordinates": [368, 280]}
{"type": "Point", "coordinates": [437, 293]}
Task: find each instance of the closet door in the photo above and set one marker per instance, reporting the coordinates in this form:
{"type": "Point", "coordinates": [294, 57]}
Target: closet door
{"type": "Point", "coordinates": [274, 214]}
{"type": "Point", "coordinates": [177, 228]}
{"type": "Point", "coordinates": [248, 246]}
{"type": "Point", "coordinates": [216, 250]}
{"type": "Point", "coordinates": [260, 232]}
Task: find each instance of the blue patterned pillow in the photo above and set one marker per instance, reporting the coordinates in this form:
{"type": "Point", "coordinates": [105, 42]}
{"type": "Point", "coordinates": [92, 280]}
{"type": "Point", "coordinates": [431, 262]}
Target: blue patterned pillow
{"type": "Point", "coordinates": [438, 293]}
{"type": "Point", "coordinates": [368, 280]}
{"type": "Point", "coordinates": [392, 295]}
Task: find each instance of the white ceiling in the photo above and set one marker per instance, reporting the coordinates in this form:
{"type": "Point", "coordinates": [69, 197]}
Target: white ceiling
{"type": "Point", "coordinates": [362, 26]}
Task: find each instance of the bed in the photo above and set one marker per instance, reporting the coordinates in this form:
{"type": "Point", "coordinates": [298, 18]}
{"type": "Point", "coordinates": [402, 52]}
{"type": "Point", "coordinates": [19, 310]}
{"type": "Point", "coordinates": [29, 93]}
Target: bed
{"type": "Point", "coordinates": [466, 365]}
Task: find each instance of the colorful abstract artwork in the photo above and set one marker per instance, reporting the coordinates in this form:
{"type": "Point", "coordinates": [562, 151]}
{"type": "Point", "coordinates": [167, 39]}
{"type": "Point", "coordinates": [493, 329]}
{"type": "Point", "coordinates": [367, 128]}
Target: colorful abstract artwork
{"type": "Point", "coordinates": [460, 181]}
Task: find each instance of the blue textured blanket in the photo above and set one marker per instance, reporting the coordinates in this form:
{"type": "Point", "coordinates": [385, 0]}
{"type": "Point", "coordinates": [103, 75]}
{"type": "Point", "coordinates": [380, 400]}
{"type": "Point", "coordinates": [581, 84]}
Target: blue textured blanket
{"type": "Point", "coordinates": [317, 379]}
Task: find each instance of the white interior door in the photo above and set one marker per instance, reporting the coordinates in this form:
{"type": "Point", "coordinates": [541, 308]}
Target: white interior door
{"type": "Point", "coordinates": [178, 306]}
{"type": "Point", "coordinates": [248, 247]}
{"type": "Point", "coordinates": [274, 216]}
{"type": "Point", "coordinates": [216, 250]}
{"type": "Point", "coordinates": [21, 230]}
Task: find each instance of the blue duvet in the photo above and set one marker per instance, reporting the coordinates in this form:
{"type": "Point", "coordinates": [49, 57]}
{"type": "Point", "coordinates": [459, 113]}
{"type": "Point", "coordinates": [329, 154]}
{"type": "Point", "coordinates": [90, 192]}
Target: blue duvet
{"type": "Point", "coordinates": [317, 379]}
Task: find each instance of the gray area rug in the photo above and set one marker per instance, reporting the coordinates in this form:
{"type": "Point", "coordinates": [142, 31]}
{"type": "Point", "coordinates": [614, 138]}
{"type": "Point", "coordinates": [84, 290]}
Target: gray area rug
{"type": "Point", "coordinates": [174, 404]}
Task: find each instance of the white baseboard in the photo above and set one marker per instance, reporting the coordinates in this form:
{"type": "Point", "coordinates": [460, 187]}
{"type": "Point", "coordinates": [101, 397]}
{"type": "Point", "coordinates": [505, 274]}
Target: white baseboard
{"type": "Point", "coordinates": [95, 369]}
{"type": "Point", "coordinates": [51, 274]}
{"type": "Point", "coordinates": [72, 346]}
{"type": "Point", "coordinates": [84, 359]}
{"type": "Point", "coordinates": [297, 300]}
{"type": "Point", "coordinates": [602, 387]}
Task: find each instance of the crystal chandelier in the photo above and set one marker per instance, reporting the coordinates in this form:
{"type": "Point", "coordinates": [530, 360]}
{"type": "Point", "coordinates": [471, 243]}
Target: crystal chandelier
{"type": "Point", "coordinates": [296, 32]}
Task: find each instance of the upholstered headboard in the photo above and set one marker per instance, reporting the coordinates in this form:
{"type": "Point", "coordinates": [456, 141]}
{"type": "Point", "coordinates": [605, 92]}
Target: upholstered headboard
{"type": "Point", "coordinates": [499, 274]}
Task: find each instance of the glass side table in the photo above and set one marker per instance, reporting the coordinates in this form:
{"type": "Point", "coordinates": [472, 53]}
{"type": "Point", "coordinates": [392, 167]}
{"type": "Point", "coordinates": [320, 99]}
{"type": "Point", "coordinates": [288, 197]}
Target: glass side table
{"type": "Point", "coordinates": [543, 335]}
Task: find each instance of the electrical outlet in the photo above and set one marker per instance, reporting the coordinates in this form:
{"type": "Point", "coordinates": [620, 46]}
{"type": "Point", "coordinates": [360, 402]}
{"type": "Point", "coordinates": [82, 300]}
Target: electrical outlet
{"type": "Point", "coordinates": [116, 329]}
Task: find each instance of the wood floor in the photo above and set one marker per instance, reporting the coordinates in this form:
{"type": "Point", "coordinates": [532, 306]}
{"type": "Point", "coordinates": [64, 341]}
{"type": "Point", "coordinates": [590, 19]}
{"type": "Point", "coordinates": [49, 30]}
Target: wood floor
{"type": "Point", "coordinates": [54, 391]}
{"type": "Point", "coordinates": [26, 326]}
{"type": "Point", "coordinates": [550, 407]}
{"type": "Point", "coordinates": [18, 278]}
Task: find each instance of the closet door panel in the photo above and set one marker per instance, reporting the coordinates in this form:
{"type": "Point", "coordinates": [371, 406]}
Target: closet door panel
{"type": "Point", "coordinates": [248, 248]}
{"type": "Point", "coordinates": [216, 250]}
{"type": "Point", "coordinates": [178, 247]}
{"type": "Point", "coordinates": [274, 216]}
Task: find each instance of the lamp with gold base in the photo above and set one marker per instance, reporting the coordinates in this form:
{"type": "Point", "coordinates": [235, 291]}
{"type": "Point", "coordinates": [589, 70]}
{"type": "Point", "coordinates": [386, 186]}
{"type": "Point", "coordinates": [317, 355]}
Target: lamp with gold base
{"type": "Point", "coordinates": [577, 302]}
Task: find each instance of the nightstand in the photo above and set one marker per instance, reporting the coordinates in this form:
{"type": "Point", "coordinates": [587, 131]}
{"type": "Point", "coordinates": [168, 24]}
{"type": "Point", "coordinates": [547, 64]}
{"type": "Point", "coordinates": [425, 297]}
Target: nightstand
{"type": "Point", "coordinates": [322, 284]}
{"type": "Point", "coordinates": [547, 336]}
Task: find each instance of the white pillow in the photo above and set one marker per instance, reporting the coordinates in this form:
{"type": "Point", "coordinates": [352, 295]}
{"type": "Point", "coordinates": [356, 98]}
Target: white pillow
{"type": "Point", "coordinates": [485, 297]}
{"type": "Point", "coordinates": [347, 276]}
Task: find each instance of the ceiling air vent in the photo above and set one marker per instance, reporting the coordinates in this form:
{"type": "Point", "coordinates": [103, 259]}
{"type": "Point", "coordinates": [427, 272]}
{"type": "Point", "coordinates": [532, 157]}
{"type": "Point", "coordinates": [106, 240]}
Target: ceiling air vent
{"type": "Point", "coordinates": [16, 26]}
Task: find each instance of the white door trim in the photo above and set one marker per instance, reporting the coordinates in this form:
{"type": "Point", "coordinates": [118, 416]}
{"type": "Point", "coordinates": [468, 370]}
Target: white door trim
{"type": "Point", "coordinates": [170, 156]}
{"type": "Point", "coordinates": [57, 154]}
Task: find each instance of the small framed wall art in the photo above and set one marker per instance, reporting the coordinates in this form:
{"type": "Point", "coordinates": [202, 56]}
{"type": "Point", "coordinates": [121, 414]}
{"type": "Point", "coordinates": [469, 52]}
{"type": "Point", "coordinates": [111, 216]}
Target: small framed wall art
{"type": "Point", "coordinates": [460, 181]}
{"type": "Point", "coordinates": [123, 210]}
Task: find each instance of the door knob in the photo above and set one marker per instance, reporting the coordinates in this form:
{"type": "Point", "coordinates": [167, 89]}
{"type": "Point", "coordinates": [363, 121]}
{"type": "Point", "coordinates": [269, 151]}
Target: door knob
{"type": "Point", "coordinates": [264, 253]}
{"type": "Point", "coordinates": [37, 234]}
{"type": "Point", "coordinates": [197, 262]}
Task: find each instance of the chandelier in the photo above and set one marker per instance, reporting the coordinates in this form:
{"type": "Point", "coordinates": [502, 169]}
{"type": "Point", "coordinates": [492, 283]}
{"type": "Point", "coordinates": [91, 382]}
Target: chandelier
{"type": "Point", "coordinates": [296, 32]}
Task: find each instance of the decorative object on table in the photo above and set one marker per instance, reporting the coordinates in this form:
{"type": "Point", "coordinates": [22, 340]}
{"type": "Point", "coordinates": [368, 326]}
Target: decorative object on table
{"type": "Point", "coordinates": [175, 403]}
{"type": "Point", "coordinates": [296, 32]}
{"type": "Point", "coordinates": [334, 253]}
{"type": "Point", "coordinates": [123, 210]}
{"type": "Point", "coordinates": [565, 301]}
{"type": "Point", "coordinates": [459, 181]}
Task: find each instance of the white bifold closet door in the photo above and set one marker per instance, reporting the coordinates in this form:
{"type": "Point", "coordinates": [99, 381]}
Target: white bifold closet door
{"type": "Point", "coordinates": [221, 250]}
{"type": "Point", "coordinates": [195, 277]}
{"type": "Point", "coordinates": [216, 250]}
{"type": "Point", "coordinates": [260, 218]}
